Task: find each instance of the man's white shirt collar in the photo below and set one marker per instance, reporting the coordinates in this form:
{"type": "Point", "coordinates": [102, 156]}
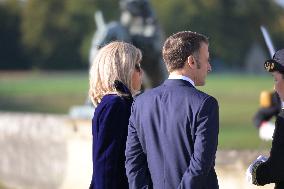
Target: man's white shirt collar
{"type": "Point", "coordinates": [181, 77]}
{"type": "Point", "coordinates": [282, 105]}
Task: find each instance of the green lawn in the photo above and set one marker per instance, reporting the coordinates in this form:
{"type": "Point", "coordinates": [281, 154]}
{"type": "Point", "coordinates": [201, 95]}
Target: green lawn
{"type": "Point", "coordinates": [52, 92]}
{"type": "Point", "coordinates": [238, 97]}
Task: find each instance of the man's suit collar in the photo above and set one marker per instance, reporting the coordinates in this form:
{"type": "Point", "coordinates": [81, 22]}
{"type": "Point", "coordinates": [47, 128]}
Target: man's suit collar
{"type": "Point", "coordinates": [177, 76]}
{"type": "Point", "coordinates": [177, 82]}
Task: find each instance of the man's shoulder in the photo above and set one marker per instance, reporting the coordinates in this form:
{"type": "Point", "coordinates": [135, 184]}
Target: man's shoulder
{"type": "Point", "coordinates": [205, 96]}
{"type": "Point", "coordinates": [147, 94]}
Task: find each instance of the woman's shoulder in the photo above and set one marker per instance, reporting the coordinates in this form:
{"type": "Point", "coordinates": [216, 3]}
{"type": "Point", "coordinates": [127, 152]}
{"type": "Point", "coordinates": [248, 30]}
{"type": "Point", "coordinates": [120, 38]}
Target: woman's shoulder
{"type": "Point", "coordinates": [111, 105]}
{"type": "Point", "coordinates": [112, 100]}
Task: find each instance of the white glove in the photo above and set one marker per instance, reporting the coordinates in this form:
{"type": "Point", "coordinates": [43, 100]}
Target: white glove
{"type": "Point", "coordinates": [249, 172]}
{"type": "Point", "coordinates": [266, 130]}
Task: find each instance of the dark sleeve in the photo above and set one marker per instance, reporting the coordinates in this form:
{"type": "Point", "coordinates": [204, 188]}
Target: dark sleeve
{"type": "Point", "coordinates": [265, 114]}
{"type": "Point", "coordinates": [205, 146]}
{"type": "Point", "coordinates": [136, 161]}
{"type": "Point", "coordinates": [110, 145]}
{"type": "Point", "coordinates": [272, 171]}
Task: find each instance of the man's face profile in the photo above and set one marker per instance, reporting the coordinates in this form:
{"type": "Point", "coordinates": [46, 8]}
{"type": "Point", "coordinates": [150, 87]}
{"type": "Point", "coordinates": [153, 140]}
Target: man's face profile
{"type": "Point", "coordinates": [204, 65]}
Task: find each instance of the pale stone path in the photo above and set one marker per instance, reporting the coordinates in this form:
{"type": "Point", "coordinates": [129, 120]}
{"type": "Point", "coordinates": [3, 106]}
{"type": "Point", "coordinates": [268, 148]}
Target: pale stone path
{"type": "Point", "coordinates": [231, 169]}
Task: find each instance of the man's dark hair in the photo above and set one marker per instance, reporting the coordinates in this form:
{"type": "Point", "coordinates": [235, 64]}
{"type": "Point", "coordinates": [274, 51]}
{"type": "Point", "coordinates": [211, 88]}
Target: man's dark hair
{"type": "Point", "coordinates": [181, 45]}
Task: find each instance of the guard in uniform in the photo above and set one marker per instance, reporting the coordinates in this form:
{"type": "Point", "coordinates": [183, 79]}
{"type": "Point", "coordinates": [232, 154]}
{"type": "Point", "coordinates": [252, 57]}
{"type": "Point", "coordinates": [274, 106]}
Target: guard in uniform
{"type": "Point", "coordinates": [271, 170]}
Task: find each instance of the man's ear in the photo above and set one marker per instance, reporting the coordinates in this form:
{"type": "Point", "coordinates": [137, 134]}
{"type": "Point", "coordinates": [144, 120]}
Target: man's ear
{"type": "Point", "coordinates": [191, 62]}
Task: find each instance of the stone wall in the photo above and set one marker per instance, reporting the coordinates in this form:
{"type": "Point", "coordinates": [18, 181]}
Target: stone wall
{"type": "Point", "coordinates": [42, 151]}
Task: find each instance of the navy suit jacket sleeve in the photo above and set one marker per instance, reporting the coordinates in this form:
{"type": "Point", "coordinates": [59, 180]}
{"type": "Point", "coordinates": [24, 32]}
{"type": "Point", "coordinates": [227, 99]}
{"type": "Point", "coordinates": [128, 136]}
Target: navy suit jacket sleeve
{"type": "Point", "coordinates": [205, 145]}
{"type": "Point", "coordinates": [136, 161]}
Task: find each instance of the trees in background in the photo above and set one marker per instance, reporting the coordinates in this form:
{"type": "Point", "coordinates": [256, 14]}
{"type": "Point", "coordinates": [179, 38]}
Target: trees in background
{"type": "Point", "coordinates": [54, 34]}
{"type": "Point", "coordinates": [232, 25]}
{"type": "Point", "coordinates": [12, 51]}
{"type": "Point", "coordinates": [55, 31]}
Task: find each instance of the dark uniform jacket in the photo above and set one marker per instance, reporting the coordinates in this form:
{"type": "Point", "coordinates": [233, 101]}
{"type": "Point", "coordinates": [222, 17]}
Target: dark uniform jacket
{"type": "Point", "coordinates": [272, 171]}
{"type": "Point", "coordinates": [172, 138]}
{"type": "Point", "coordinates": [109, 129]}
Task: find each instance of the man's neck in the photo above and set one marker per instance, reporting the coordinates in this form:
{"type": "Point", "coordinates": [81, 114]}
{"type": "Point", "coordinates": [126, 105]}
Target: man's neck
{"type": "Point", "coordinates": [183, 77]}
{"type": "Point", "coordinates": [180, 72]}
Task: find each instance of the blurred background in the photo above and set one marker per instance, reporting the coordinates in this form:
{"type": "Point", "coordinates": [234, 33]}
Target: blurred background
{"type": "Point", "coordinates": [44, 61]}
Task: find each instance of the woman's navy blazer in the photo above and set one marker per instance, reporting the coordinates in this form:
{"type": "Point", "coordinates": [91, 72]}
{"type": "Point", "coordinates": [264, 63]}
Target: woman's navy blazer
{"type": "Point", "coordinates": [109, 129]}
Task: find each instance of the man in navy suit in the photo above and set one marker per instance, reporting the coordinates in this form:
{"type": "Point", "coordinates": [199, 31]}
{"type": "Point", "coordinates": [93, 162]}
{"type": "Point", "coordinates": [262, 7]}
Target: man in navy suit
{"type": "Point", "coordinates": [173, 128]}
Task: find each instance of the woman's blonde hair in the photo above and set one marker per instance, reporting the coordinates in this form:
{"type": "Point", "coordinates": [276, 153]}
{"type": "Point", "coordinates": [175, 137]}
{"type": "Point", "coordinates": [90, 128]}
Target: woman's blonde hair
{"type": "Point", "coordinates": [114, 61]}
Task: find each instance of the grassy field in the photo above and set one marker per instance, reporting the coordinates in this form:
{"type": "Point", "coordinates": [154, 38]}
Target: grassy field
{"type": "Point", "coordinates": [238, 97]}
{"type": "Point", "coordinates": [52, 92]}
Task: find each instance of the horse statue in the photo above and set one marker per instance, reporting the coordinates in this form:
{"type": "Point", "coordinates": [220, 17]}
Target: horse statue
{"type": "Point", "coordinates": [138, 26]}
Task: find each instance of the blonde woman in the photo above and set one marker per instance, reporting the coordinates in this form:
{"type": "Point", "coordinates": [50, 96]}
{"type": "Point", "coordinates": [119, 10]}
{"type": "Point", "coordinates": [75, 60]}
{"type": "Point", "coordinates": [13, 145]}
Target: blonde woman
{"type": "Point", "coordinates": [115, 75]}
